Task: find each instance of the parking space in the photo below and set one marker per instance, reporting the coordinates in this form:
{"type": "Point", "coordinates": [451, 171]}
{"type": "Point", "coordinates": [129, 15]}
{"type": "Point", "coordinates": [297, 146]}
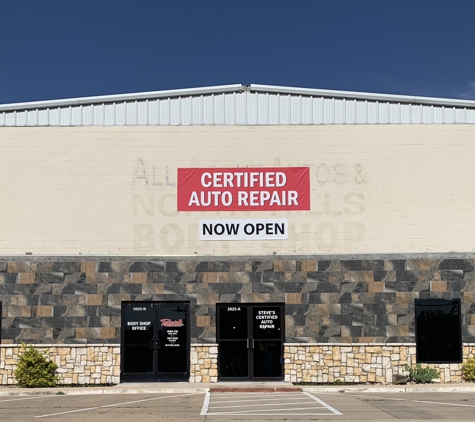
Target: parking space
{"type": "Point", "coordinates": [240, 406]}
{"type": "Point", "coordinates": [421, 406]}
{"type": "Point", "coordinates": [265, 406]}
{"type": "Point", "coordinates": [104, 407]}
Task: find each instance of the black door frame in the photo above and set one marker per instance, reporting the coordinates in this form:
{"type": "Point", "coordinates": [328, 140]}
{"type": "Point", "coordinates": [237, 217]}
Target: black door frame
{"type": "Point", "coordinates": [155, 375]}
{"type": "Point", "coordinates": [250, 339]}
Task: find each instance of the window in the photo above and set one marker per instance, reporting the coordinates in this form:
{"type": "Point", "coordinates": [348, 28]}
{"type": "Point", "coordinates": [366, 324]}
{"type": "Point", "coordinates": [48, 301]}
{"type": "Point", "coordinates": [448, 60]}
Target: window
{"type": "Point", "coordinates": [438, 331]}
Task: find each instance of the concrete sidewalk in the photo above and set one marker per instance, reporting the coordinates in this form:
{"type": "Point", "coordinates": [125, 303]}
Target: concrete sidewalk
{"type": "Point", "coordinates": [183, 387]}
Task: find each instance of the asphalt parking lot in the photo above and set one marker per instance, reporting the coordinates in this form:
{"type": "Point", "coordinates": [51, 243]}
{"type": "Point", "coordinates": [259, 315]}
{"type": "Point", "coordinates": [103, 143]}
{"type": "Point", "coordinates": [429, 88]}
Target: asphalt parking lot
{"type": "Point", "coordinates": [194, 406]}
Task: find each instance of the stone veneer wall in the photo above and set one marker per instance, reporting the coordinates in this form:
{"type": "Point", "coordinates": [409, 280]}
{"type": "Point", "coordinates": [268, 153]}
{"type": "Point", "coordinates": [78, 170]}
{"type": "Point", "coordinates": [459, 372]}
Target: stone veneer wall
{"type": "Point", "coordinates": [100, 363]}
{"type": "Point", "coordinates": [328, 299]}
{"type": "Point", "coordinates": [204, 363]}
{"type": "Point", "coordinates": [320, 363]}
{"type": "Point", "coordinates": [372, 363]}
{"type": "Point", "coordinates": [77, 364]}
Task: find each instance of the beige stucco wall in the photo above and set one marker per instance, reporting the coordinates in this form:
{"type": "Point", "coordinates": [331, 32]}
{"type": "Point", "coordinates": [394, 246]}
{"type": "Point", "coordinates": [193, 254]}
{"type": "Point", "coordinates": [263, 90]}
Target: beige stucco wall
{"type": "Point", "coordinates": [112, 190]}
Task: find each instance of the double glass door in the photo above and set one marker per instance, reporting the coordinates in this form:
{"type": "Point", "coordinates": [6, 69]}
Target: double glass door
{"type": "Point", "coordinates": [155, 341]}
{"type": "Point", "coordinates": [250, 338]}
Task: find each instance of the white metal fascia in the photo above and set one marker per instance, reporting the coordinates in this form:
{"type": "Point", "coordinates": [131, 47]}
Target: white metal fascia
{"type": "Point", "coordinates": [351, 95]}
{"type": "Point", "coordinates": [188, 92]}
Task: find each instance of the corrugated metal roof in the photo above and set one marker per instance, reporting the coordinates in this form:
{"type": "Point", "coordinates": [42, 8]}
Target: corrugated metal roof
{"type": "Point", "coordinates": [239, 105]}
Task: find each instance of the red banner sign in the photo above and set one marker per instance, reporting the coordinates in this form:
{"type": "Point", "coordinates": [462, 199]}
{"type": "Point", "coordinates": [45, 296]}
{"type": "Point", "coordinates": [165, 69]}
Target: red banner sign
{"type": "Point", "coordinates": [244, 189]}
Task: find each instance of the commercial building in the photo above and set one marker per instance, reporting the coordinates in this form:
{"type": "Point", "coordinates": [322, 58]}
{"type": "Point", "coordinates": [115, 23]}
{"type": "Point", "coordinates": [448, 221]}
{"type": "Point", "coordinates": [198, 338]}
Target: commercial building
{"type": "Point", "coordinates": [238, 232]}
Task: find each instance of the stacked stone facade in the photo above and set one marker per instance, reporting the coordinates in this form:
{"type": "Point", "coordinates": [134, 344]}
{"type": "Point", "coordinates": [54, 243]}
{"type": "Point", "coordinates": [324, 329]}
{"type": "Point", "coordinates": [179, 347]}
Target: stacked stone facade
{"type": "Point", "coordinates": [365, 299]}
{"type": "Point", "coordinates": [204, 363]}
{"type": "Point", "coordinates": [362, 363]}
{"type": "Point", "coordinates": [77, 364]}
{"type": "Point", "coordinates": [364, 304]}
{"type": "Point", "coordinates": [316, 363]}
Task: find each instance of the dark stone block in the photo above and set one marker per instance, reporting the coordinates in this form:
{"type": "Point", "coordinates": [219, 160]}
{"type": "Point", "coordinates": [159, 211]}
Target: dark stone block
{"type": "Point", "coordinates": [324, 265]}
{"type": "Point", "coordinates": [355, 330]}
{"type": "Point", "coordinates": [76, 322]}
{"type": "Point", "coordinates": [377, 265]}
{"type": "Point", "coordinates": [318, 276]}
{"type": "Point", "coordinates": [262, 266]}
{"type": "Point", "coordinates": [219, 266]}
{"type": "Point", "coordinates": [353, 309]}
{"type": "Point", "coordinates": [352, 265]}
{"type": "Point", "coordinates": [18, 289]}
{"type": "Point", "coordinates": [226, 288]}
{"type": "Point", "coordinates": [383, 320]}
{"type": "Point", "coordinates": [171, 267]}
{"type": "Point", "coordinates": [131, 289]}
{"type": "Point", "coordinates": [340, 320]}
{"type": "Point", "coordinates": [379, 275]}
{"type": "Point", "coordinates": [51, 278]}
{"type": "Point", "coordinates": [384, 297]}
{"type": "Point", "coordinates": [406, 276]}
{"type": "Point", "coordinates": [79, 278]}
{"type": "Point", "coordinates": [271, 277]}
{"type": "Point", "coordinates": [165, 278]}
{"type": "Point", "coordinates": [345, 298]}
{"type": "Point", "coordinates": [293, 287]}
{"type": "Point", "coordinates": [105, 267]}
{"type": "Point", "coordinates": [328, 287]}
{"type": "Point", "coordinates": [11, 333]}
{"type": "Point", "coordinates": [373, 331]}
{"type": "Point", "coordinates": [113, 289]}
{"type": "Point", "coordinates": [462, 264]}
{"type": "Point", "coordinates": [363, 320]}
{"type": "Point", "coordinates": [91, 310]}
{"type": "Point", "coordinates": [451, 275]}
{"type": "Point", "coordinates": [179, 289]}
{"type": "Point", "coordinates": [396, 264]}
{"type": "Point", "coordinates": [436, 295]}
{"type": "Point", "coordinates": [374, 309]}
{"type": "Point", "coordinates": [263, 288]}
{"type": "Point", "coordinates": [68, 289]}
{"type": "Point", "coordinates": [52, 322]}
{"type": "Point", "coordinates": [406, 286]}
{"type": "Point", "coordinates": [20, 322]}
{"type": "Point", "coordinates": [202, 267]}
{"type": "Point", "coordinates": [457, 286]}
{"type": "Point", "coordinates": [8, 278]}
{"type": "Point", "coordinates": [135, 267]}
{"type": "Point", "coordinates": [295, 320]}
{"type": "Point", "coordinates": [3, 267]}
{"type": "Point", "coordinates": [108, 311]}
{"type": "Point", "coordinates": [445, 264]}
{"type": "Point", "coordinates": [153, 266]}
{"type": "Point", "coordinates": [296, 309]}
{"type": "Point", "coordinates": [361, 287]}
{"type": "Point", "coordinates": [64, 267]}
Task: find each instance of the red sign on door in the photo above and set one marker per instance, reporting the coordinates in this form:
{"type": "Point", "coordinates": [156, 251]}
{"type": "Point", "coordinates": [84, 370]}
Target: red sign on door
{"type": "Point", "coordinates": [244, 189]}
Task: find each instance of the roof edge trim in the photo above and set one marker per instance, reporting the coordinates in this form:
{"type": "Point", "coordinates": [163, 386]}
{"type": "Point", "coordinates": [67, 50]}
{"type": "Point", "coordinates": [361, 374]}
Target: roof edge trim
{"type": "Point", "coordinates": [362, 96]}
{"type": "Point", "coordinates": [187, 92]}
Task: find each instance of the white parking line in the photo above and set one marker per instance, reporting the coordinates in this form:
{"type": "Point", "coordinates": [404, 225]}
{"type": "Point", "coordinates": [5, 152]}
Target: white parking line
{"type": "Point", "coordinates": [30, 398]}
{"type": "Point", "coordinates": [116, 404]}
{"type": "Point", "coordinates": [253, 405]}
{"type": "Point", "coordinates": [413, 401]}
{"type": "Point", "coordinates": [331, 409]}
{"type": "Point", "coordinates": [259, 399]}
{"type": "Point", "coordinates": [212, 404]}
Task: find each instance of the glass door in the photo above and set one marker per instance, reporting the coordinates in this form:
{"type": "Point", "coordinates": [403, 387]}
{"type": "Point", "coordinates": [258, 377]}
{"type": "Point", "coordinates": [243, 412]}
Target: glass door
{"type": "Point", "coordinates": [155, 341]}
{"type": "Point", "coordinates": [250, 338]}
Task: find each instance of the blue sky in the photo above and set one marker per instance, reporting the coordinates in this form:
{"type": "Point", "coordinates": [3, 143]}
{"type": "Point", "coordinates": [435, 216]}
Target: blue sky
{"type": "Point", "coordinates": [54, 49]}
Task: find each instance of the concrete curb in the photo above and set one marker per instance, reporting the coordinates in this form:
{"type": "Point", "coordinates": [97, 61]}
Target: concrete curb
{"type": "Point", "coordinates": [234, 388]}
